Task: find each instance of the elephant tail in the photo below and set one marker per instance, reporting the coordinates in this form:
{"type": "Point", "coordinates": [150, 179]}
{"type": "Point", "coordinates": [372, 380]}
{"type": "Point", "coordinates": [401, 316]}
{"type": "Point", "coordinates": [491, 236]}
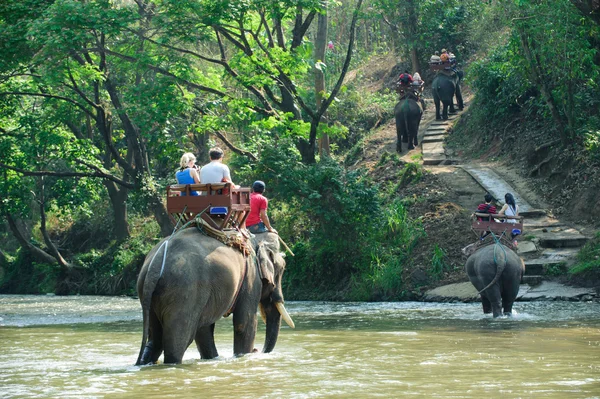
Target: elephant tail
{"type": "Point", "coordinates": [150, 282]}
{"type": "Point", "coordinates": [407, 109]}
{"type": "Point", "coordinates": [499, 266]}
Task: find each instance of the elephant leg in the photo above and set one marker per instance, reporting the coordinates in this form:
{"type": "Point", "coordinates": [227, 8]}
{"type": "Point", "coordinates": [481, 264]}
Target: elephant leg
{"type": "Point", "coordinates": [154, 347]}
{"type": "Point", "coordinates": [178, 334]}
{"type": "Point", "coordinates": [405, 131]}
{"type": "Point", "coordinates": [398, 134]}
{"type": "Point", "coordinates": [445, 112]}
{"type": "Point", "coordinates": [511, 291]}
{"type": "Point", "coordinates": [459, 98]}
{"type": "Point", "coordinates": [205, 342]}
{"type": "Point", "coordinates": [415, 137]}
{"type": "Point", "coordinates": [495, 298]}
{"type": "Point", "coordinates": [507, 304]}
{"type": "Point", "coordinates": [244, 332]}
{"type": "Point", "coordinates": [487, 306]}
{"type": "Point", "coordinates": [438, 116]}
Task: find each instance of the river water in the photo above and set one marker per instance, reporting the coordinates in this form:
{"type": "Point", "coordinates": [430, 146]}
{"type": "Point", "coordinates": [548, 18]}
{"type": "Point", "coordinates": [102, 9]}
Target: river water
{"type": "Point", "coordinates": [79, 346]}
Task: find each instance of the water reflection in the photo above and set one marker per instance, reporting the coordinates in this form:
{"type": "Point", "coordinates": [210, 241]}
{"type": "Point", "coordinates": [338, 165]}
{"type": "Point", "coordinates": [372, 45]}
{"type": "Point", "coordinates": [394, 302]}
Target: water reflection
{"type": "Point", "coordinates": [86, 347]}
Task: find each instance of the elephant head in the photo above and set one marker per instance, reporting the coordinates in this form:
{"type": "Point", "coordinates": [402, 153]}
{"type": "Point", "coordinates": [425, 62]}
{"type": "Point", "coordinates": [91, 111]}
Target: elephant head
{"type": "Point", "coordinates": [271, 266]}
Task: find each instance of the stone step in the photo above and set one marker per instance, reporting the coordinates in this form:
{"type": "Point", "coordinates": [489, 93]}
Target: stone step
{"type": "Point", "coordinates": [541, 222]}
{"type": "Point", "coordinates": [531, 213]}
{"type": "Point", "coordinates": [533, 269]}
{"type": "Point", "coordinates": [434, 138]}
{"type": "Point", "coordinates": [434, 159]}
{"type": "Point", "coordinates": [526, 247]}
{"type": "Point", "coordinates": [559, 237]}
{"type": "Point", "coordinates": [532, 280]}
{"type": "Point", "coordinates": [433, 149]}
{"type": "Point", "coordinates": [435, 132]}
{"type": "Point", "coordinates": [438, 129]}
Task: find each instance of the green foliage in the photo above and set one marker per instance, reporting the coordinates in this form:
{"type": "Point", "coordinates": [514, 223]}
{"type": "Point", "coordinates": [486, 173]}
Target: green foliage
{"type": "Point", "coordinates": [24, 276]}
{"type": "Point", "coordinates": [411, 173]}
{"type": "Point", "coordinates": [438, 263]}
{"type": "Point", "coordinates": [359, 112]}
{"type": "Point", "coordinates": [588, 258]}
{"type": "Point", "coordinates": [555, 269]}
{"type": "Point", "coordinates": [543, 68]}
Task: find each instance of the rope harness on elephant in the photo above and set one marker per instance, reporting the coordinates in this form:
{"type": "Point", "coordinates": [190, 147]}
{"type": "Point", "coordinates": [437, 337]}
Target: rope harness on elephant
{"type": "Point", "coordinates": [165, 244]}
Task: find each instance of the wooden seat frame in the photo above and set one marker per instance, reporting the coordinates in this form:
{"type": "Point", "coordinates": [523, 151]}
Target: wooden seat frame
{"type": "Point", "coordinates": [183, 207]}
{"type": "Point", "coordinates": [496, 227]}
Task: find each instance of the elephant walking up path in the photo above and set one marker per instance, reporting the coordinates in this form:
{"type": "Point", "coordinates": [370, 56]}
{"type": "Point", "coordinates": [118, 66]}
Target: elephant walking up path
{"type": "Point", "coordinates": [547, 246]}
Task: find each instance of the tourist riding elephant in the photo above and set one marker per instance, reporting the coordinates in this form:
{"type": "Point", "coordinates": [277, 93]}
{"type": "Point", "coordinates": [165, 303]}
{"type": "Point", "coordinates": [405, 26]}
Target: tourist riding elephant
{"type": "Point", "coordinates": [496, 271]}
{"type": "Point", "coordinates": [190, 281]}
{"type": "Point", "coordinates": [408, 117]}
{"type": "Point", "coordinates": [444, 87]}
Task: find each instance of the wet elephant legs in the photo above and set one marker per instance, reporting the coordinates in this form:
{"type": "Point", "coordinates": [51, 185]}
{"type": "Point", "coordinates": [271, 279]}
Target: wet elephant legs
{"type": "Point", "coordinates": [205, 342]}
{"type": "Point", "coordinates": [178, 333]}
{"type": "Point", "coordinates": [244, 332]}
{"type": "Point", "coordinates": [487, 306]}
{"type": "Point", "coordinates": [154, 347]}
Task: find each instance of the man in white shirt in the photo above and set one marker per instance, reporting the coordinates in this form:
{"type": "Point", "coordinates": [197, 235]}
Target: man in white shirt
{"type": "Point", "coordinates": [215, 171]}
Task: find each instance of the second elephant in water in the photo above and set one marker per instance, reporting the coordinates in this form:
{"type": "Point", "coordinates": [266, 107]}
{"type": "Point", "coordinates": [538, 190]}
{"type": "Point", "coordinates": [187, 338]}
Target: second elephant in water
{"type": "Point", "coordinates": [496, 272]}
{"type": "Point", "coordinates": [408, 118]}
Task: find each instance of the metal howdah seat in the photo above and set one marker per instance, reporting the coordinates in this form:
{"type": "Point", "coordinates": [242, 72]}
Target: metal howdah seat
{"type": "Point", "coordinates": [480, 224]}
{"type": "Point", "coordinates": [222, 205]}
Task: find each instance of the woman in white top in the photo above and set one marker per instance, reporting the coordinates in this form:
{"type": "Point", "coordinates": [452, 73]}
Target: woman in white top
{"type": "Point", "coordinates": [510, 208]}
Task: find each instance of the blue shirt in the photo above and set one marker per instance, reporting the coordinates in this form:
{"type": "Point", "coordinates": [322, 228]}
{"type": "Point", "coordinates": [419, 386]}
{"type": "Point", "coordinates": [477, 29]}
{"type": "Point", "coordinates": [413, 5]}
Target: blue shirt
{"type": "Point", "coordinates": [185, 177]}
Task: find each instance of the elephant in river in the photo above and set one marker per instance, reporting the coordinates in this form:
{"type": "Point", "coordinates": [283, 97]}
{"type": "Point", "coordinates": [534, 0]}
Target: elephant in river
{"type": "Point", "coordinates": [496, 272]}
{"type": "Point", "coordinates": [408, 118]}
{"type": "Point", "coordinates": [444, 87]}
{"type": "Point", "coordinates": [190, 280]}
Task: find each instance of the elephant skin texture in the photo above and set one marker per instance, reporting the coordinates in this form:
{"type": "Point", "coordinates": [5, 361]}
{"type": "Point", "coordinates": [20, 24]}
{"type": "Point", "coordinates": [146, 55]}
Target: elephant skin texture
{"type": "Point", "coordinates": [496, 272]}
{"type": "Point", "coordinates": [444, 88]}
{"type": "Point", "coordinates": [197, 283]}
{"type": "Point", "coordinates": [408, 118]}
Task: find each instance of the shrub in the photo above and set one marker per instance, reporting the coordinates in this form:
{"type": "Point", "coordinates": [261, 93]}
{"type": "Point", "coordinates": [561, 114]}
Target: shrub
{"type": "Point", "coordinates": [588, 258]}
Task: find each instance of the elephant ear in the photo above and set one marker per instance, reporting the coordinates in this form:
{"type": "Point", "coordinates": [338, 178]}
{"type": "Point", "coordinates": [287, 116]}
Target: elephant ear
{"type": "Point", "coordinates": [265, 264]}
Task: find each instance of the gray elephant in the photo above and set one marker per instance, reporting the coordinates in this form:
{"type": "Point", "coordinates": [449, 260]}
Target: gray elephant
{"type": "Point", "coordinates": [444, 87]}
{"type": "Point", "coordinates": [408, 118]}
{"type": "Point", "coordinates": [496, 272]}
{"type": "Point", "coordinates": [190, 281]}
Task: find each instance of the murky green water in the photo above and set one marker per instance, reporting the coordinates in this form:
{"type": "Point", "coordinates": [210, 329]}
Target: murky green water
{"type": "Point", "coordinates": [66, 347]}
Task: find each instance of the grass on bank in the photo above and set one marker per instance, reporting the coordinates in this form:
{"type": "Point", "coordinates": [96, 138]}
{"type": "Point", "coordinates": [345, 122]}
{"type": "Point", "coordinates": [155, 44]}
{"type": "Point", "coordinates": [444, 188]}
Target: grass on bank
{"type": "Point", "coordinates": [588, 258]}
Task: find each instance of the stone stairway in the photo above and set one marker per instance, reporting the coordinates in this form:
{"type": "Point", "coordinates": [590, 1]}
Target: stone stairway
{"type": "Point", "coordinates": [432, 143]}
{"type": "Point", "coordinates": [547, 246]}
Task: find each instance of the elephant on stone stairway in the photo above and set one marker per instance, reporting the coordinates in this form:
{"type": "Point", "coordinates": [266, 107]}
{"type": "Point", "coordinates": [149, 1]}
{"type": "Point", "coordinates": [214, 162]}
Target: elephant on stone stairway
{"type": "Point", "coordinates": [496, 272]}
{"type": "Point", "coordinates": [190, 280]}
{"type": "Point", "coordinates": [445, 86]}
{"type": "Point", "coordinates": [408, 114]}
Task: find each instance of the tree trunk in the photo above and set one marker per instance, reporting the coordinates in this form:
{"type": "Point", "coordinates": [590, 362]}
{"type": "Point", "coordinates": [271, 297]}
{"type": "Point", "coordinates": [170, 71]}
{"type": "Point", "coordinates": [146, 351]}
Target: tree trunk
{"type": "Point", "coordinates": [319, 55]}
{"type": "Point", "coordinates": [118, 201]}
{"type": "Point", "coordinates": [412, 30]}
{"type": "Point", "coordinates": [37, 253]}
{"type": "Point", "coordinates": [53, 250]}
{"type": "Point", "coordinates": [538, 79]}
